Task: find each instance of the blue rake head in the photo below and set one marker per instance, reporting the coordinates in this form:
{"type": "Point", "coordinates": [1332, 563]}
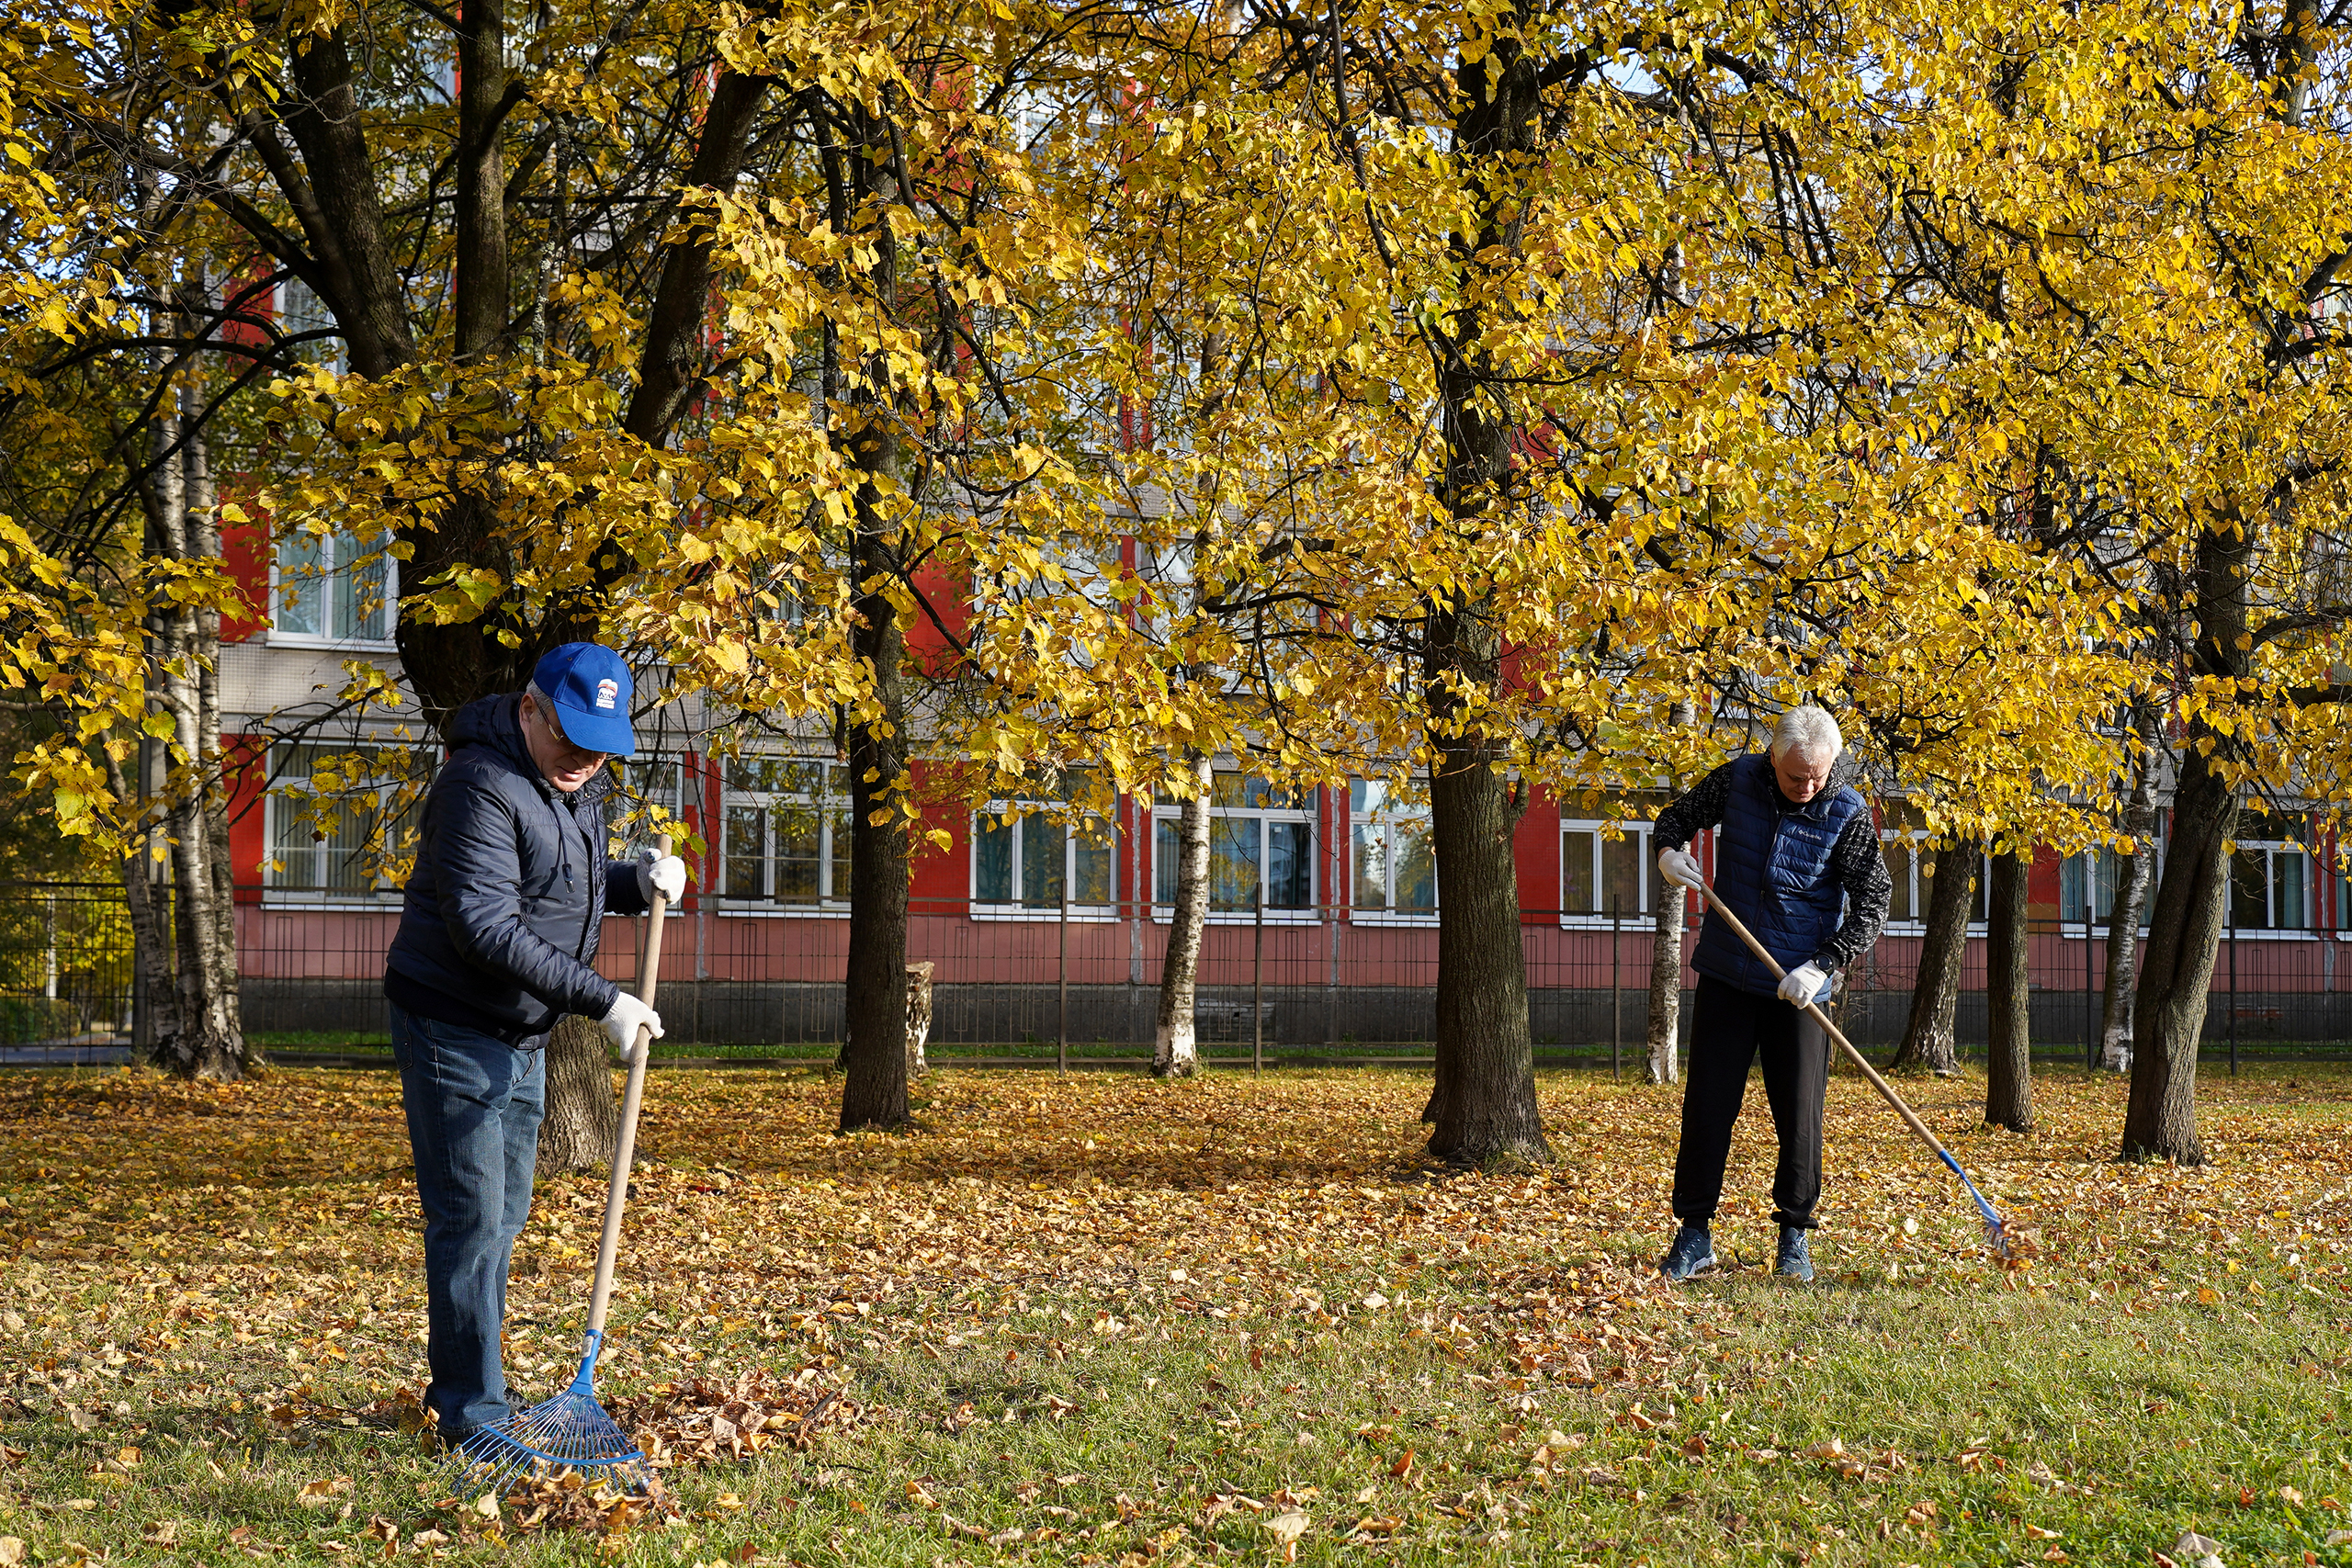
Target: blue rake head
{"type": "Point", "coordinates": [571, 1431]}
{"type": "Point", "coordinates": [1997, 1229]}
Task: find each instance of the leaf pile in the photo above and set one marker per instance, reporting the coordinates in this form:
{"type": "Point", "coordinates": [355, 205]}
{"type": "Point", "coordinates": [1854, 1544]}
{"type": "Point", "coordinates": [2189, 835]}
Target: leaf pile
{"type": "Point", "coordinates": [706, 1420]}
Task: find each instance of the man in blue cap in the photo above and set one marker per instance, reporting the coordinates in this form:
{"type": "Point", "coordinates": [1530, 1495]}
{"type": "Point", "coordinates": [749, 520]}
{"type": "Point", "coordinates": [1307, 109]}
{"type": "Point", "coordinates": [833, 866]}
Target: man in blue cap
{"type": "Point", "coordinates": [498, 939]}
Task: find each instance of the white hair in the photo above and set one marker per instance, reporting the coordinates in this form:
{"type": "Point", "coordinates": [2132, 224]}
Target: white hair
{"type": "Point", "coordinates": [1810, 732]}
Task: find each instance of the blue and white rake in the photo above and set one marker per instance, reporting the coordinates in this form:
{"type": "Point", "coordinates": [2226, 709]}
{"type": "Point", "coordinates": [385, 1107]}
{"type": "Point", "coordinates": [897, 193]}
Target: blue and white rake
{"type": "Point", "coordinates": [572, 1431]}
{"type": "Point", "coordinates": [1997, 1229]}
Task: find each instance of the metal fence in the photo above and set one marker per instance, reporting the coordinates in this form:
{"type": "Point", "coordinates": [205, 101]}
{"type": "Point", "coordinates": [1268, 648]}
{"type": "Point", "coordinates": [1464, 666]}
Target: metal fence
{"type": "Point", "coordinates": [1081, 982]}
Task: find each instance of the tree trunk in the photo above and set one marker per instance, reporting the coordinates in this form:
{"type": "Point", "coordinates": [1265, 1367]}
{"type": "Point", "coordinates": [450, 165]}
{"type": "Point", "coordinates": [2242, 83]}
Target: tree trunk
{"type": "Point", "coordinates": [1666, 983]}
{"type": "Point", "coordinates": [918, 1018]}
{"type": "Point", "coordinates": [1930, 1039]}
{"type": "Point", "coordinates": [2192, 895]}
{"type": "Point", "coordinates": [2185, 931]}
{"type": "Point", "coordinates": [2138, 872]}
{"type": "Point", "coordinates": [2008, 1072]}
{"type": "Point", "coordinates": [583, 1119]}
{"type": "Point", "coordinates": [219, 905]}
{"type": "Point", "coordinates": [208, 1040]}
{"type": "Point", "coordinates": [1175, 1050]}
{"type": "Point", "coordinates": [1483, 1107]}
{"type": "Point", "coordinates": [873, 1092]}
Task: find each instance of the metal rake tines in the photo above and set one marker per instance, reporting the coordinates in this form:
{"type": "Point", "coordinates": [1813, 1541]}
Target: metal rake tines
{"type": "Point", "coordinates": [569, 1432]}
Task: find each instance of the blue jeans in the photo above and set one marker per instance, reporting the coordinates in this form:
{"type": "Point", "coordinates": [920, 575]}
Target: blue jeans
{"type": "Point", "coordinates": [474, 1106]}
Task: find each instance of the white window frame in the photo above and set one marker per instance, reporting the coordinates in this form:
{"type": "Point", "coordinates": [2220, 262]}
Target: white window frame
{"type": "Point", "coordinates": [2072, 928]}
{"type": "Point", "coordinates": [2269, 849]}
{"type": "Point", "coordinates": [329, 546]}
{"type": "Point", "coordinates": [1172, 812]}
{"type": "Point", "coordinates": [831, 811]}
{"type": "Point", "coordinates": [281, 781]}
{"type": "Point", "coordinates": [1018, 817]}
{"type": "Point", "coordinates": [1387, 818]}
{"type": "Point", "coordinates": [1977, 924]}
{"type": "Point", "coordinates": [1643, 830]}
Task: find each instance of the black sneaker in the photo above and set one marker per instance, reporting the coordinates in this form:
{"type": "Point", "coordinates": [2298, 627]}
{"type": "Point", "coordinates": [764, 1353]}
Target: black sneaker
{"type": "Point", "coordinates": [1796, 1259]}
{"type": "Point", "coordinates": [1692, 1252]}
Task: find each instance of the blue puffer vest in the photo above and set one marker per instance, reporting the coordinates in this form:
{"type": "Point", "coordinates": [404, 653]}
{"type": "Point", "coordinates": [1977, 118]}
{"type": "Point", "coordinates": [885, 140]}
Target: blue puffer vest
{"type": "Point", "coordinates": [1772, 870]}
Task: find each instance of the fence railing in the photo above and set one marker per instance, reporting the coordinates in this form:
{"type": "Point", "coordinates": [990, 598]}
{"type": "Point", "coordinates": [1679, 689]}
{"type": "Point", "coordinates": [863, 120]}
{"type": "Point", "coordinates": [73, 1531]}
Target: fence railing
{"type": "Point", "coordinates": [1082, 980]}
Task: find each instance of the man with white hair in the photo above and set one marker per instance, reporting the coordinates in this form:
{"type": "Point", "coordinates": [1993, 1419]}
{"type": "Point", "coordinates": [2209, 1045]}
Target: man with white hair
{"type": "Point", "coordinates": [1797, 860]}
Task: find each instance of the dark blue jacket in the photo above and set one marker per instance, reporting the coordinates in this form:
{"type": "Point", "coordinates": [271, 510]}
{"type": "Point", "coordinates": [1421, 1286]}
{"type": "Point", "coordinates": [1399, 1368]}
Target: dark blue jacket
{"type": "Point", "coordinates": [1772, 870]}
{"type": "Point", "coordinates": [500, 916]}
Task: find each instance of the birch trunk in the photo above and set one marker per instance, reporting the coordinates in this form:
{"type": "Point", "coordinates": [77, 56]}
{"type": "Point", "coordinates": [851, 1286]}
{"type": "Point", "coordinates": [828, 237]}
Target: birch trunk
{"type": "Point", "coordinates": [1175, 1050]}
{"type": "Point", "coordinates": [1666, 985]}
{"type": "Point", "coordinates": [208, 1040]}
{"type": "Point", "coordinates": [2138, 874]}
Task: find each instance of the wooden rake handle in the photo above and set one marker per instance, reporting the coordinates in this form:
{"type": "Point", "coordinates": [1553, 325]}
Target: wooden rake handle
{"type": "Point", "coordinates": [1910, 1118]}
{"type": "Point", "coordinates": [649, 974]}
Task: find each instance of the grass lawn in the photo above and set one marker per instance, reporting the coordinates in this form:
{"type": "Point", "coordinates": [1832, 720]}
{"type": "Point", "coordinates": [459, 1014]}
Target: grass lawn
{"type": "Point", "coordinates": [1107, 1320]}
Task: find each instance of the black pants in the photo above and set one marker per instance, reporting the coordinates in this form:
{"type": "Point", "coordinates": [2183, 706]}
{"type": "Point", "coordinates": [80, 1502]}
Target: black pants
{"type": "Point", "coordinates": [1729, 1028]}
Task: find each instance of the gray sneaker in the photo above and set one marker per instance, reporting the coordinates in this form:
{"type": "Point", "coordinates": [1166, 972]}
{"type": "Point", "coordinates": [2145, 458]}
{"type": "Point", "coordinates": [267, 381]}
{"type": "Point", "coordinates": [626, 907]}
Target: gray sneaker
{"type": "Point", "coordinates": [1796, 1259]}
{"type": "Point", "coordinates": [1692, 1253]}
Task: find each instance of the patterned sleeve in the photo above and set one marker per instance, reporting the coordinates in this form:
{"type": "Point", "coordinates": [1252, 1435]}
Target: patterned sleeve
{"type": "Point", "coordinates": [1860, 870]}
{"type": "Point", "coordinates": [1700, 809]}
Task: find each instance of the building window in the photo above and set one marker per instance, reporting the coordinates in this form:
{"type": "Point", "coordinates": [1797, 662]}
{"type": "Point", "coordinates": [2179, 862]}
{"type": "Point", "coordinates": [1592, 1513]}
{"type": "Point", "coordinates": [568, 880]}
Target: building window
{"type": "Point", "coordinates": [1601, 876]}
{"type": "Point", "coordinates": [1911, 865]}
{"type": "Point", "coordinates": [1029, 855]}
{"type": "Point", "coordinates": [1262, 841]}
{"type": "Point", "coordinates": [303, 313]}
{"type": "Point", "coordinates": [787, 834]}
{"type": "Point", "coordinates": [652, 802]}
{"type": "Point", "coordinates": [1903, 856]}
{"type": "Point", "coordinates": [330, 587]}
{"type": "Point", "coordinates": [2269, 878]}
{"type": "Point", "coordinates": [2091, 879]}
{"type": "Point", "coordinates": [336, 824]}
{"type": "Point", "coordinates": [1392, 861]}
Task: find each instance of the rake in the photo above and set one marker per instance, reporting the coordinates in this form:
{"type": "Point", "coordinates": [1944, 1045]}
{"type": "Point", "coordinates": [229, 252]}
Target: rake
{"type": "Point", "coordinates": [1997, 1229]}
{"type": "Point", "coordinates": [572, 1431]}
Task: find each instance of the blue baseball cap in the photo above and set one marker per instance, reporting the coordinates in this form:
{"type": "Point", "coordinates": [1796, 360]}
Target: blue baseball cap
{"type": "Point", "coordinates": [590, 686]}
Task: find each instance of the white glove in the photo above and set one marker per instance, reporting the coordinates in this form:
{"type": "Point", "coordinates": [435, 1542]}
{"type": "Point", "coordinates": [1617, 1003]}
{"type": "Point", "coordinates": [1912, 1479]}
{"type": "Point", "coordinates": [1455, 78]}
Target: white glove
{"type": "Point", "coordinates": [1801, 984]}
{"type": "Point", "coordinates": [620, 1024]}
{"type": "Point", "coordinates": [658, 873]}
{"type": "Point", "coordinates": [1680, 867]}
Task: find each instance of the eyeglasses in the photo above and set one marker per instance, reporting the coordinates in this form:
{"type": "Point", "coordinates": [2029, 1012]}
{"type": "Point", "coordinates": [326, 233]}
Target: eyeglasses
{"type": "Point", "coordinates": [547, 716]}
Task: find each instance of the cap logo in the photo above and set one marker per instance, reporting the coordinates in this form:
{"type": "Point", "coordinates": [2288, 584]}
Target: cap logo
{"type": "Point", "coordinates": [606, 690]}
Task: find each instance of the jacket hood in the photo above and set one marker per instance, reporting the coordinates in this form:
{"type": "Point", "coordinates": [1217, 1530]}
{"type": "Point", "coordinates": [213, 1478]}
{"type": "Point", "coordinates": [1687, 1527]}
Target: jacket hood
{"type": "Point", "coordinates": [495, 724]}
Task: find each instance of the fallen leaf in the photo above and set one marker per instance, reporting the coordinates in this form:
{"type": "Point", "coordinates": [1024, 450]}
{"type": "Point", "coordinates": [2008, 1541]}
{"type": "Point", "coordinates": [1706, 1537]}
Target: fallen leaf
{"type": "Point", "coordinates": [322, 1493]}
